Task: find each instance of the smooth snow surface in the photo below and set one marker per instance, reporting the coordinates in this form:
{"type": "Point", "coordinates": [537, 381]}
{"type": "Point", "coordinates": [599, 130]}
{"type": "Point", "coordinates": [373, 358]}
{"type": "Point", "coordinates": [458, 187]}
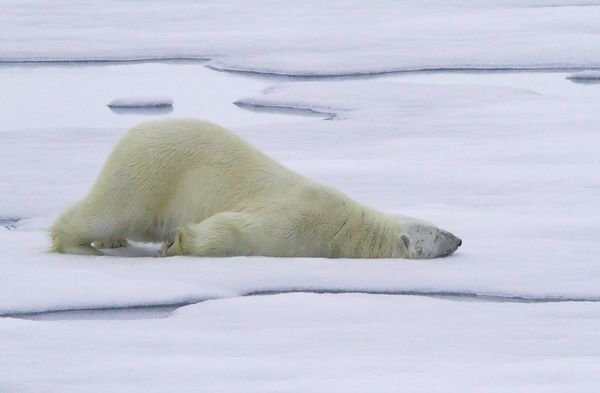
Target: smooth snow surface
{"type": "Point", "coordinates": [506, 160]}
{"type": "Point", "coordinates": [313, 343]}
{"type": "Point", "coordinates": [85, 91]}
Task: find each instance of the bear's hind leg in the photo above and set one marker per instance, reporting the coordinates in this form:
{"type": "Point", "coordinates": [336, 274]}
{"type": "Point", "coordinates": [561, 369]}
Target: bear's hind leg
{"type": "Point", "coordinates": [78, 227]}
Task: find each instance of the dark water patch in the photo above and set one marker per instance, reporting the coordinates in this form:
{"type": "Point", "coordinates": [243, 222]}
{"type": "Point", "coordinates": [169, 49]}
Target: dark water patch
{"type": "Point", "coordinates": [285, 109]}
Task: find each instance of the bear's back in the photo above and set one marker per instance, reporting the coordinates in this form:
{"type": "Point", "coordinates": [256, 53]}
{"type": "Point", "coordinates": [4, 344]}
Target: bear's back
{"type": "Point", "coordinates": [184, 137]}
{"type": "Point", "coordinates": [167, 164]}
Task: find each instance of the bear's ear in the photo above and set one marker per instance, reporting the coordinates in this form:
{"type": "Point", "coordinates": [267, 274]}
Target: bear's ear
{"type": "Point", "coordinates": [406, 246]}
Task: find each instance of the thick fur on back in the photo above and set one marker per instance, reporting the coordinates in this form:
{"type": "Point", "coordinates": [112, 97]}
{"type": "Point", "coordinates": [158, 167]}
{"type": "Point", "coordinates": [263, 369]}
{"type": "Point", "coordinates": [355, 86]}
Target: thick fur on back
{"type": "Point", "coordinates": [201, 190]}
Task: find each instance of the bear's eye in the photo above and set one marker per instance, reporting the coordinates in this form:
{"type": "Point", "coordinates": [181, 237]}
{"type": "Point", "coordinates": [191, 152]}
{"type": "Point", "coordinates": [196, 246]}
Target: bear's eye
{"type": "Point", "coordinates": [170, 244]}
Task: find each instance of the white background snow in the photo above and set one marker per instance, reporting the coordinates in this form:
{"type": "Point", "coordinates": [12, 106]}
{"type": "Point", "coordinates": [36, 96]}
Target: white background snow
{"type": "Point", "coordinates": [509, 161]}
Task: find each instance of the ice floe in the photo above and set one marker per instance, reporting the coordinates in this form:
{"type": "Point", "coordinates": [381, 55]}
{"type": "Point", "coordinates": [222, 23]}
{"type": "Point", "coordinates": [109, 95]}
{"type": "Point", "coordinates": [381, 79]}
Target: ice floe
{"type": "Point", "coordinates": [142, 105]}
{"type": "Point", "coordinates": [311, 38]}
{"type": "Point", "coordinates": [301, 343]}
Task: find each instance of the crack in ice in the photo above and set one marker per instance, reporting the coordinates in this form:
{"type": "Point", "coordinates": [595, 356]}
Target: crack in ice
{"type": "Point", "coordinates": [374, 74]}
{"type": "Point", "coordinates": [161, 310]}
{"type": "Point", "coordinates": [103, 61]}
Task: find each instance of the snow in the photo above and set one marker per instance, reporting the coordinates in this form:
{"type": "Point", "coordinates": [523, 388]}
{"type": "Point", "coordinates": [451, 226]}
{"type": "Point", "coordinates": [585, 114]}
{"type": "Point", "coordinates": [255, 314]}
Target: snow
{"type": "Point", "coordinates": [87, 89]}
{"type": "Point", "coordinates": [308, 342]}
{"type": "Point", "coordinates": [506, 160]}
{"type": "Point", "coordinates": [457, 151]}
{"type": "Point", "coordinates": [309, 37]}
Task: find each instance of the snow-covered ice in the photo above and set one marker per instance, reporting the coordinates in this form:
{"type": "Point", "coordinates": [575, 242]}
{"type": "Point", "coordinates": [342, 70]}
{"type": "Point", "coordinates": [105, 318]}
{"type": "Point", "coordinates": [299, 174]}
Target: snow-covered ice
{"type": "Point", "coordinates": [334, 37]}
{"type": "Point", "coordinates": [506, 160]}
{"type": "Point", "coordinates": [585, 76]}
{"type": "Point", "coordinates": [141, 102]}
{"type": "Point", "coordinates": [458, 154]}
{"type": "Point", "coordinates": [85, 91]}
{"type": "Point", "coordinates": [313, 343]}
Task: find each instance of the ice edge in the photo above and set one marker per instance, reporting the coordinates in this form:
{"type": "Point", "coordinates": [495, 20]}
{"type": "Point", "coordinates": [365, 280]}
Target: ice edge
{"type": "Point", "coordinates": [448, 295]}
{"type": "Point", "coordinates": [406, 70]}
{"type": "Point", "coordinates": [103, 61]}
{"type": "Point", "coordinates": [283, 108]}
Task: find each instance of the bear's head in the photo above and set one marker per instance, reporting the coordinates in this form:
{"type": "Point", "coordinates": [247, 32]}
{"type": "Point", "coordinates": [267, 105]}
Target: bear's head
{"type": "Point", "coordinates": [423, 240]}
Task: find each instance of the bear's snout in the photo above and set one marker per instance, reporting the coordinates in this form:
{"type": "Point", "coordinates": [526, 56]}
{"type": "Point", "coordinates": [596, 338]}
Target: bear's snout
{"type": "Point", "coordinates": [428, 241]}
{"type": "Point", "coordinates": [447, 243]}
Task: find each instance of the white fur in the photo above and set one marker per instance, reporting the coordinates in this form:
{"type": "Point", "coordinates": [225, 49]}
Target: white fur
{"type": "Point", "coordinates": [202, 190]}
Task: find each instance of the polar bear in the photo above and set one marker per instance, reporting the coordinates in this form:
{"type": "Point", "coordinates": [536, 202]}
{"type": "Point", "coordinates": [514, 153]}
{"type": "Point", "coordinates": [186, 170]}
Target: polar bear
{"type": "Point", "coordinates": [201, 190]}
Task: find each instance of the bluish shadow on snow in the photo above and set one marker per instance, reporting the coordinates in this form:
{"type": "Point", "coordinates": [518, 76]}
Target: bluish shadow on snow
{"type": "Point", "coordinates": [586, 77]}
{"type": "Point", "coordinates": [585, 81]}
{"type": "Point", "coordinates": [141, 312]}
{"type": "Point", "coordinates": [134, 250]}
{"type": "Point", "coordinates": [291, 110]}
